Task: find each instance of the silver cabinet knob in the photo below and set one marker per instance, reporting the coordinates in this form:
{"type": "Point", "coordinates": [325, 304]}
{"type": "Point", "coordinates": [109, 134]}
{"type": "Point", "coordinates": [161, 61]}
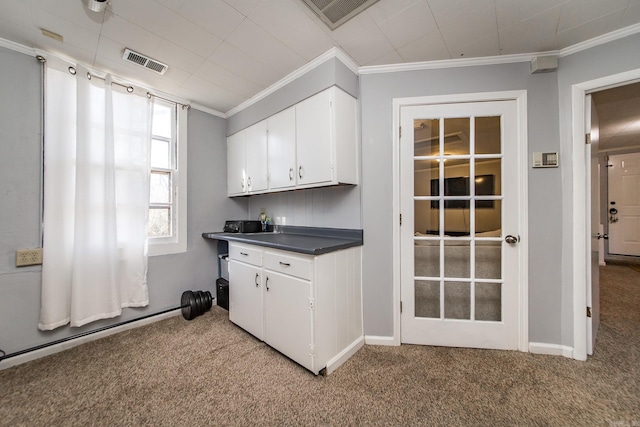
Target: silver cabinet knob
{"type": "Point", "coordinates": [511, 239]}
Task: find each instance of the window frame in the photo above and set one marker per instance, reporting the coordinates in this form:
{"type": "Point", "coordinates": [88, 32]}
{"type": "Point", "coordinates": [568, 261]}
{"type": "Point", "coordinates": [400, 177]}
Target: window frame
{"type": "Point", "coordinates": [177, 242]}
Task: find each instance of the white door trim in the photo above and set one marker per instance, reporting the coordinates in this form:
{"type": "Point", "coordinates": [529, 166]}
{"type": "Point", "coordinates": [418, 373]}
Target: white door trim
{"type": "Point", "coordinates": [580, 248]}
{"type": "Point", "coordinates": [520, 96]}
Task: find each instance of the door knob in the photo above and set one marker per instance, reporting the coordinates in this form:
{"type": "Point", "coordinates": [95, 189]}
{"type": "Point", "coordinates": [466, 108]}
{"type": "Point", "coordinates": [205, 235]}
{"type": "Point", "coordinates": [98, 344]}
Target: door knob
{"type": "Point", "coordinates": [512, 239]}
{"type": "Point", "coordinates": [602, 236]}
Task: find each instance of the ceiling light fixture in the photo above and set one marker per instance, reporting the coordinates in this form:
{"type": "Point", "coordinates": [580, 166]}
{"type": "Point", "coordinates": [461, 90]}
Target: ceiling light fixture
{"type": "Point", "coordinates": [97, 5]}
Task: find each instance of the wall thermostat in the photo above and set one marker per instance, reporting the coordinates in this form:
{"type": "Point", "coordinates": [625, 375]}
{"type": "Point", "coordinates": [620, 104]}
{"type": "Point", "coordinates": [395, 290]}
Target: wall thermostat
{"type": "Point", "coordinates": [545, 160]}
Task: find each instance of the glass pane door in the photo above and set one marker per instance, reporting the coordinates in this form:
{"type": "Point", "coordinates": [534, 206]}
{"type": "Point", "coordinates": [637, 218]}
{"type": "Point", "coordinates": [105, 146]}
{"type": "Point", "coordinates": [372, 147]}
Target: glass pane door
{"type": "Point", "coordinates": [453, 175]}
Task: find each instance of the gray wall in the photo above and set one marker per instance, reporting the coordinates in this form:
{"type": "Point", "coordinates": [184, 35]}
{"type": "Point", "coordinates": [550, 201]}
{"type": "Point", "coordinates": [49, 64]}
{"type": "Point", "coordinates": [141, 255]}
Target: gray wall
{"type": "Point", "coordinates": [20, 172]}
{"type": "Point", "coordinates": [329, 73]}
{"type": "Point", "coordinates": [545, 258]}
{"type": "Point", "coordinates": [605, 60]}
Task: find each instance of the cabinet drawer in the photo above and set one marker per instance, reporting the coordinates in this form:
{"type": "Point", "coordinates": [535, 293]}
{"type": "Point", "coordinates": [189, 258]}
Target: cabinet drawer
{"type": "Point", "coordinates": [246, 254]}
{"type": "Point", "coordinates": [293, 266]}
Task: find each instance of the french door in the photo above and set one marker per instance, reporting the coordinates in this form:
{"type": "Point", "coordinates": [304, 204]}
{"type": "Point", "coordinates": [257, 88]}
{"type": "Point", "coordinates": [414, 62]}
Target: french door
{"type": "Point", "coordinates": [459, 234]}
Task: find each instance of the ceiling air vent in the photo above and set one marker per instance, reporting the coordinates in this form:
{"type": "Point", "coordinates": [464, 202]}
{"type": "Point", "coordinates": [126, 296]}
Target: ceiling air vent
{"type": "Point", "coordinates": [144, 61]}
{"type": "Point", "coordinates": [336, 12]}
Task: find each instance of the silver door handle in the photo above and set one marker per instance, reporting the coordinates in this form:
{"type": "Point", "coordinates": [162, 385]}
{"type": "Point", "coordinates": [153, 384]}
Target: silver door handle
{"type": "Point", "coordinates": [300, 172]}
{"type": "Point", "coordinates": [256, 280]}
{"type": "Point", "coordinates": [602, 236]}
{"type": "Point", "coordinates": [290, 174]}
{"type": "Point", "coordinates": [267, 284]}
{"type": "Point", "coordinates": [512, 239]}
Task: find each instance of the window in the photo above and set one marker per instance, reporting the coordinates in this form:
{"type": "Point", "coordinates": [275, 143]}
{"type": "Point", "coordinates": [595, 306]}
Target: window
{"type": "Point", "coordinates": [167, 197]}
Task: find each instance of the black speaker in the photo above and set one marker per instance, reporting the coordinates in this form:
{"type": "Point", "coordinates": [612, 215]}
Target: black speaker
{"type": "Point", "coordinates": [222, 293]}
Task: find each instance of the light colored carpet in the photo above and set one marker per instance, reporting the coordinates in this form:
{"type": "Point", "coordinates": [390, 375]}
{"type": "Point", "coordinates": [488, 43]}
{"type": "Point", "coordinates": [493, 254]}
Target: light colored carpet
{"type": "Point", "coordinates": [209, 372]}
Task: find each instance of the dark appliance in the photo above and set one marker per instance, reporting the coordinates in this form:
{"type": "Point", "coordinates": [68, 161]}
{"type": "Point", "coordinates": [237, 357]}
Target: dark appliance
{"type": "Point", "coordinates": [222, 293]}
{"type": "Point", "coordinates": [242, 226]}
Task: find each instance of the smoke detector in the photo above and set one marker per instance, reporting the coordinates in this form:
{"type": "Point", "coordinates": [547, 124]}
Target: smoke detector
{"type": "Point", "coordinates": [144, 61]}
{"type": "Point", "coordinates": [336, 12]}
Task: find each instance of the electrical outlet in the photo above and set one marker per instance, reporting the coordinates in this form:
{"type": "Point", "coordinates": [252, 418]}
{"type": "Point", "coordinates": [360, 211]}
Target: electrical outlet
{"type": "Point", "coordinates": [26, 257]}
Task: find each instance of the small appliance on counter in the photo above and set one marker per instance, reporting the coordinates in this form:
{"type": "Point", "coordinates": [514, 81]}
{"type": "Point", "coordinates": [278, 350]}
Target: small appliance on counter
{"type": "Point", "coordinates": [242, 226]}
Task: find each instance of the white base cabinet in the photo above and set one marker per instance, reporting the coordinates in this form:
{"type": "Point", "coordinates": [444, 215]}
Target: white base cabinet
{"type": "Point", "coordinates": [309, 308]}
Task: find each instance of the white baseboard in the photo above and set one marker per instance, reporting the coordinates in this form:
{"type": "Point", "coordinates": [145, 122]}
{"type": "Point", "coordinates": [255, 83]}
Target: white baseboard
{"type": "Point", "coordinates": [344, 355]}
{"type": "Point", "coordinates": [551, 349]}
{"type": "Point", "coordinates": [56, 348]}
{"type": "Point", "coordinates": [378, 340]}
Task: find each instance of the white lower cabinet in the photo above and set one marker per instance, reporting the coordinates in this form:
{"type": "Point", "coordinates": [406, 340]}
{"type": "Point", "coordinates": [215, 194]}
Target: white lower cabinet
{"type": "Point", "coordinates": [245, 305]}
{"type": "Point", "coordinates": [287, 317]}
{"type": "Point", "coordinates": [309, 308]}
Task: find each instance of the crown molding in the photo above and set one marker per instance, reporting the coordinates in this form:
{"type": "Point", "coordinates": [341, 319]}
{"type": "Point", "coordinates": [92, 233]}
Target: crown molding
{"type": "Point", "coordinates": [596, 41]}
{"type": "Point", "coordinates": [18, 47]}
{"type": "Point", "coordinates": [452, 63]}
{"type": "Point", "coordinates": [334, 52]}
{"type": "Point", "coordinates": [208, 110]}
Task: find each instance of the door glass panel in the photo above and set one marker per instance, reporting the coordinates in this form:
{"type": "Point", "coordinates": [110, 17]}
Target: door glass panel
{"type": "Point", "coordinates": [487, 134]}
{"type": "Point", "coordinates": [488, 301]}
{"type": "Point", "coordinates": [457, 300]}
{"type": "Point", "coordinates": [456, 182]}
{"type": "Point", "coordinates": [457, 259]}
{"type": "Point", "coordinates": [426, 137]}
{"type": "Point", "coordinates": [489, 171]}
{"type": "Point", "coordinates": [426, 219]}
{"type": "Point", "coordinates": [427, 299]}
{"type": "Point", "coordinates": [425, 177]}
{"type": "Point", "coordinates": [427, 258]}
{"type": "Point", "coordinates": [488, 219]}
{"type": "Point", "coordinates": [488, 259]}
{"type": "Point", "coordinates": [456, 136]}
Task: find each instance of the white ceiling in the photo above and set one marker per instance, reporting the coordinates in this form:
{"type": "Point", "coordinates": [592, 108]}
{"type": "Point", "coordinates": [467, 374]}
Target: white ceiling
{"type": "Point", "coordinates": [222, 52]}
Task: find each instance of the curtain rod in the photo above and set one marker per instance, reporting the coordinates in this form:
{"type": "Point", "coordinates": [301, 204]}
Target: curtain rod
{"type": "Point", "coordinates": [73, 71]}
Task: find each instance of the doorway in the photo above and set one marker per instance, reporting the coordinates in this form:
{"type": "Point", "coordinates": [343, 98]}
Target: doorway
{"type": "Point", "coordinates": [461, 196]}
{"type": "Point", "coordinates": [582, 186]}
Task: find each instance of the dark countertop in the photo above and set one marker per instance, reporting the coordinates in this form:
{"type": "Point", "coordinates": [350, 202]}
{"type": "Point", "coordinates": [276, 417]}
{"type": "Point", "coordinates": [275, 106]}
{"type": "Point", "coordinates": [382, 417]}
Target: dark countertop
{"type": "Point", "coordinates": [305, 240]}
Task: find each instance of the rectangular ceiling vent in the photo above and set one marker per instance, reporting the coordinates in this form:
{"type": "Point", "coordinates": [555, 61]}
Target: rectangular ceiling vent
{"type": "Point", "coordinates": [144, 61]}
{"type": "Point", "coordinates": [336, 12]}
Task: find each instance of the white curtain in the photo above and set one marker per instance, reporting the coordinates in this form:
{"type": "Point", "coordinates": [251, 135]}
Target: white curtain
{"type": "Point", "coordinates": [96, 194]}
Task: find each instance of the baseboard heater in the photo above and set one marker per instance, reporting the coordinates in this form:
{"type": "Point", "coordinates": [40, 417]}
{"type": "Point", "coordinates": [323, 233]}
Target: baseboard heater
{"type": "Point", "coordinates": [83, 334]}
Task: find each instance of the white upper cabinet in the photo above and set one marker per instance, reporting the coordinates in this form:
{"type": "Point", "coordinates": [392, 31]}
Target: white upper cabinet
{"type": "Point", "coordinates": [281, 157]}
{"type": "Point", "coordinates": [326, 139]}
{"type": "Point", "coordinates": [311, 144]}
{"type": "Point", "coordinates": [256, 155]}
{"type": "Point", "coordinates": [236, 184]}
{"type": "Point", "coordinates": [313, 138]}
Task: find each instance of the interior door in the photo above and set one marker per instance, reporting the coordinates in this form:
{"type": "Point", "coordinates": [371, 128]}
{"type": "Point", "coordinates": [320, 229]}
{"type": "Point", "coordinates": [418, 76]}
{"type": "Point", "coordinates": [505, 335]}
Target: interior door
{"type": "Point", "coordinates": [593, 210]}
{"type": "Point", "coordinates": [624, 198]}
{"type": "Point", "coordinates": [459, 236]}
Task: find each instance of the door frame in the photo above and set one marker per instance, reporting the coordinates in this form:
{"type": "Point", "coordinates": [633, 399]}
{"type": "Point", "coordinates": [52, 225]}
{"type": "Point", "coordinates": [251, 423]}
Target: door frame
{"type": "Point", "coordinates": [520, 96]}
{"type": "Point", "coordinates": [580, 186]}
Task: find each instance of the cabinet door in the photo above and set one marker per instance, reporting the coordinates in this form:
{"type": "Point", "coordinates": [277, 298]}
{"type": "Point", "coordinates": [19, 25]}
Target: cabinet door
{"type": "Point", "coordinates": [256, 157]}
{"type": "Point", "coordinates": [236, 183]}
{"type": "Point", "coordinates": [282, 149]}
{"type": "Point", "coordinates": [313, 139]}
{"type": "Point", "coordinates": [287, 316]}
{"type": "Point", "coordinates": [245, 297]}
